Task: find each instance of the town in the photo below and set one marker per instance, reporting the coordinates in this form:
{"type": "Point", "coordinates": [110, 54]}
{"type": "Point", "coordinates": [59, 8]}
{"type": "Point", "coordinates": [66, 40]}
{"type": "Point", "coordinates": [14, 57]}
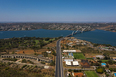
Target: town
{"type": "Point", "coordinates": [84, 59]}
{"type": "Point", "coordinates": [57, 26]}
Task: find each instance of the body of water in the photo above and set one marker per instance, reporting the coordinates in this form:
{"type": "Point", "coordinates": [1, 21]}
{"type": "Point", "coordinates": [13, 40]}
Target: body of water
{"type": "Point", "coordinates": [34, 33]}
{"type": "Point", "coordinates": [96, 36]}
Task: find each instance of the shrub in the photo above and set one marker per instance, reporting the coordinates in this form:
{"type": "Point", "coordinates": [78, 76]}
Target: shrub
{"type": "Point", "coordinates": [24, 61]}
{"type": "Point", "coordinates": [70, 70]}
{"type": "Point", "coordinates": [42, 62]}
{"type": "Point", "coordinates": [100, 70]}
{"type": "Point", "coordinates": [10, 59]}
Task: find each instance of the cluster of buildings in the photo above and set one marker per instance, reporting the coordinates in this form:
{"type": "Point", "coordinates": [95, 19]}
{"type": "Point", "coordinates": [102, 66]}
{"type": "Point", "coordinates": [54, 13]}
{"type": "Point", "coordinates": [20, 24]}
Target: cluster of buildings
{"type": "Point", "coordinates": [38, 58]}
{"type": "Point", "coordinates": [107, 48]}
{"type": "Point", "coordinates": [70, 61]}
{"type": "Point", "coordinates": [71, 41]}
{"type": "Point", "coordinates": [15, 27]}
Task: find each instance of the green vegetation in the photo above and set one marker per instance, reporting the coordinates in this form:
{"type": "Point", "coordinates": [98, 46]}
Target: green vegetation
{"type": "Point", "coordinates": [112, 69]}
{"type": "Point", "coordinates": [30, 61]}
{"type": "Point", "coordinates": [10, 59]}
{"type": "Point", "coordinates": [24, 61]}
{"type": "Point", "coordinates": [42, 62]}
{"type": "Point", "coordinates": [69, 70]}
{"type": "Point", "coordinates": [90, 58]}
{"type": "Point", "coordinates": [24, 71]}
{"type": "Point", "coordinates": [53, 53]}
{"type": "Point", "coordinates": [79, 56]}
{"type": "Point", "coordinates": [45, 54]}
{"type": "Point", "coordinates": [24, 66]}
{"type": "Point", "coordinates": [34, 43]}
{"type": "Point", "coordinates": [27, 61]}
{"type": "Point", "coordinates": [100, 70]}
{"type": "Point", "coordinates": [104, 61]}
{"type": "Point", "coordinates": [107, 45]}
{"type": "Point", "coordinates": [91, 74]}
{"type": "Point", "coordinates": [37, 41]}
{"type": "Point", "coordinates": [86, 49]}
{"type": "Point", "coordinates": [52, 63]}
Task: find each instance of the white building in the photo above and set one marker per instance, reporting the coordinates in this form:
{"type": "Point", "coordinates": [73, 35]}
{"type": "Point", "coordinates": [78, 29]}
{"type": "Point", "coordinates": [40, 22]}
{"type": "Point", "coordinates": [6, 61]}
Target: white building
{"type": "Point", "coordinates": [46, 67]}
{"type": "Point", "coordinates": [48, 51]}
{"type": "Point", "coordinates": [100, 56]}
{"type": "Point", "coordinates": [69, 50]}
{"type": "Point", "coordinates": [68, 63]}
{"type": "Point", "coordinates": [68, 60]}
{"type": "Point", "coordinates": [75, 63]}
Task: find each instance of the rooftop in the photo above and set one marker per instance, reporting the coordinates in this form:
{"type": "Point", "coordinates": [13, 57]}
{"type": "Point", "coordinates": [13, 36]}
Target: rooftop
{"type": "Point", "coordinates": [68, 63]}
{"type": "Point", "coordinates": [79, 74]}
{"type": "Point", "coordinates": [75, 63]}
{"type": "Point", "coordinates": [85, 63]}
{"type": "Point", "coordinates": [69, 50]}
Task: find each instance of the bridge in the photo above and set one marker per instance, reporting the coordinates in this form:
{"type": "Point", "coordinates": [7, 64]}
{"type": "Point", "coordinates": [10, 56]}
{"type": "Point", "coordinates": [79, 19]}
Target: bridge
{"type": "Point", "coordinates": [81, 30]}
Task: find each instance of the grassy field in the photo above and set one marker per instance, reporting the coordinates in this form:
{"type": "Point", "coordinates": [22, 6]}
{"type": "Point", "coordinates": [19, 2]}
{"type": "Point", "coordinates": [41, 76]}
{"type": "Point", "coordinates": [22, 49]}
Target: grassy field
{"type": "Point", "coordinates": [91, 74]}
{"type": "Point", "coordinates": [78, 56]}
{"type": "Point", "coordinates": [37, 41]}
{"type": "Point", "coordinates": [104, 60]}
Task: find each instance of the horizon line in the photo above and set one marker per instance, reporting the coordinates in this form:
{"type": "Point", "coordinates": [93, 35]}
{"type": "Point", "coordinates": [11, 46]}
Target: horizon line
{"type": "Point", "coordinates": [55, 22]}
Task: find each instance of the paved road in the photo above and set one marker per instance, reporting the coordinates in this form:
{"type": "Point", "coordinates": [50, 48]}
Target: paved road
{"type": "Point", "coordinates": [59, 67]}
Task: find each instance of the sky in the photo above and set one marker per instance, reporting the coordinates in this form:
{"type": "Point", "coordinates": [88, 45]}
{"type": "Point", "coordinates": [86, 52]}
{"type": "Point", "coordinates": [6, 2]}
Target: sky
{"type": "Point", "coordinates": [57, 10]}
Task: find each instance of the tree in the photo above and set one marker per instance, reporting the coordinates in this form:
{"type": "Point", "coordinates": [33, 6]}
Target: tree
{"type": "Point", "coordinates": [24, 61]}
{"type": "Point", "coordinates": [52, 63]}
{"type": "Point", "coordinates": [107, 75]}
{"type": "Point", "coordinates": [100, 70]}
{"type": "Point", "coordinates": [69, 70]}
{"type": "Point", "coordinates": [110, 62]}
{"type": "Point", "coordinates": [54, 53]}
{"type": "Point", "coordinates": [13, 52]}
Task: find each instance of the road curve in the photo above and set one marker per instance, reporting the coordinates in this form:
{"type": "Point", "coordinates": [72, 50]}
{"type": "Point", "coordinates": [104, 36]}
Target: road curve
{"type": "Point", "coordinates": [59, 67]}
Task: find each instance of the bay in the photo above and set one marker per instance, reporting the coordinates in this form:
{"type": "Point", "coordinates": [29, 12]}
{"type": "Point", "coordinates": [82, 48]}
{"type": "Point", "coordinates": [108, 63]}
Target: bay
{"type": "Point", "coordinates": [96, 36]}
{"type": "Point", "coordinates": [34, 33]}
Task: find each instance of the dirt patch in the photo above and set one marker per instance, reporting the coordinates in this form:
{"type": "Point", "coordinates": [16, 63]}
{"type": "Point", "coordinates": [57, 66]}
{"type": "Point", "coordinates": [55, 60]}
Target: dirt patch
{"type": "Point", "coordinates": [90, 55]}
{"type": "Point", "coordinates": [26, 52]}
{"type": "Point", "coordinates": [53, 44]}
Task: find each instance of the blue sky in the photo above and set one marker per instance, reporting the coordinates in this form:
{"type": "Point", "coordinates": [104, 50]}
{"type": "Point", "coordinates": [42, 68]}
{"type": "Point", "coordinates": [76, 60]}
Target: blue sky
{"type": "Point", "coordinates": [57, 10]}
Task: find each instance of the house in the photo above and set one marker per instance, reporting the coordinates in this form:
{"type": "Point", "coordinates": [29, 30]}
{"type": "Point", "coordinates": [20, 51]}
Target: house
{"type": "Point", "coordinates": [85, 64]}
{"type": "Point", "coordinates": [48, 51]}
{"type": "Point", "coordinates": [78, 74]}
{"type": "Point", "coordinates": [113, 58]}
{"type": "Point", "coordinates": [100, 56]}
{"type": "Point", "coordinates": [40, 55]}
{"type": "Point", "coordinates": [107, 70]}
{"type": "Point", "coordinates": [46, 67]}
